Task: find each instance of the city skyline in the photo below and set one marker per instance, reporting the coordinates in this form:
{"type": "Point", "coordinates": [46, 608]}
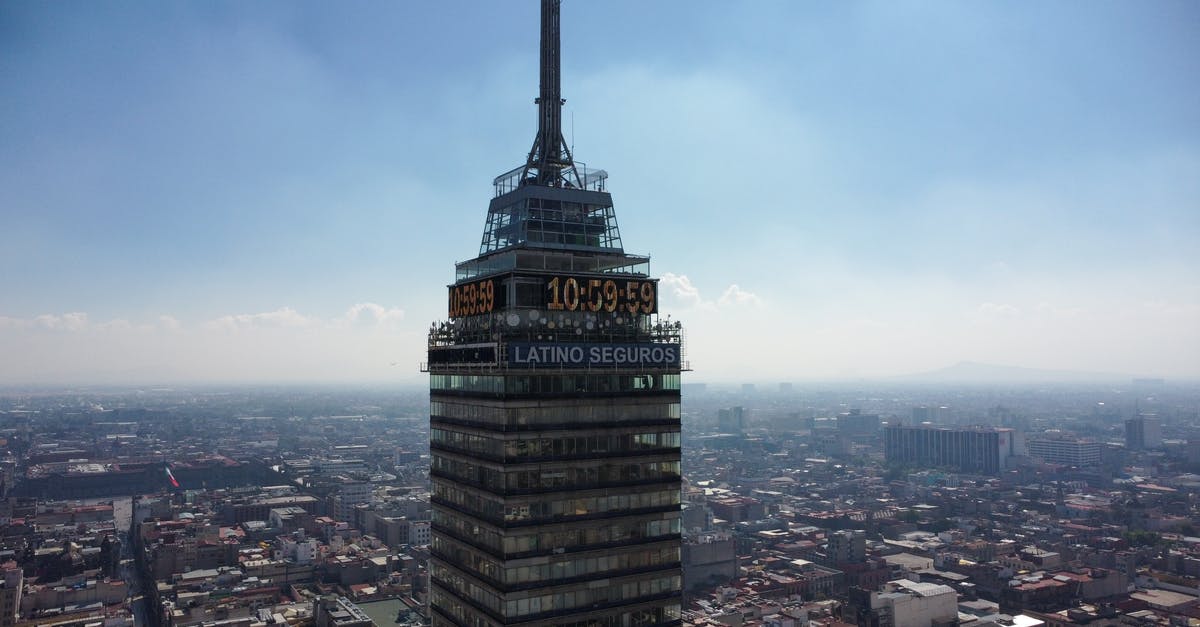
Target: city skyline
{"type": "Point", "coordinates": [223, 192]}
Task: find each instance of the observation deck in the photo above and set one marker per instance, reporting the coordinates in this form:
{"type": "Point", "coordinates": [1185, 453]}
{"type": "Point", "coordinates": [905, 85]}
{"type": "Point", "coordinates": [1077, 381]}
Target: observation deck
{"type": "Point", "coordinates": [568, 217]}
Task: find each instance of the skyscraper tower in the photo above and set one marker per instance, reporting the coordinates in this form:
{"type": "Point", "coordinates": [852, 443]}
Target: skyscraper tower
{"type": "Point", "coordinates": [554, 408]}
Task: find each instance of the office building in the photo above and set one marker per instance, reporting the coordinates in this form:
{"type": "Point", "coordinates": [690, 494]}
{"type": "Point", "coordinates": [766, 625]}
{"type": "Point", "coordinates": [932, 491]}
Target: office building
{"type": "Point", "coordinates": [1064, 450]}
{"type": "Point", "coordinates": [11, 587]}
{"type": "Point", "coordinates": [854, 423]}
{"type": "Point", "coordinates": [848, 546]}
{"type": "Point", "coordinates": [1143, 432]}
{"type": "Point", "coordinates": [554, 408]}
{"type": "Point", "coordinates": [983, 450]}
{"type": "Point", "coordinates": [731, 420]}
{"type": "Point", "coordinates": [709, 559]}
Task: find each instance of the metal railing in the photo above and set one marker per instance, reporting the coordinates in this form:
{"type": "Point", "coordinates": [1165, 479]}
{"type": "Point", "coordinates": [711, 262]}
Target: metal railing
{"type": "Point", "coordinates": [589, 179]}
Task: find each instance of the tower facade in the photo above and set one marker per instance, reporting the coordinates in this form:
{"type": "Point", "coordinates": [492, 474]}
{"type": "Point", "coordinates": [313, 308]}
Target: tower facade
{"type": "Point", "coordinates": [554, 408]}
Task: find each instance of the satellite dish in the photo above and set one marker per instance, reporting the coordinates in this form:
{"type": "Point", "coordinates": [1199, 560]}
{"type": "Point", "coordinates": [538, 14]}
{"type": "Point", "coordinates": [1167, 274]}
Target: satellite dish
{"type": "Point", "coordinates": [533, 315]}
{"type": "Point", "coordinates": [513, 319]}
{"type": "Point", "coordinates": [590, 326]}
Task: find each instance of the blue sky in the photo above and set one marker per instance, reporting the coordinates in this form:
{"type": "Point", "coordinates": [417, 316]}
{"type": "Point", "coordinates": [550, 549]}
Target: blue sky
{"type": "Point", "coordinates": [278, 190]}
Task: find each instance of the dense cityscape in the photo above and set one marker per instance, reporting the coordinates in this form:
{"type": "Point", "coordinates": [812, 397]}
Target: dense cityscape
{"type": "Point", "coordinates": [562, 462]}
{"type": "Point", "coordinates": [312, 506]}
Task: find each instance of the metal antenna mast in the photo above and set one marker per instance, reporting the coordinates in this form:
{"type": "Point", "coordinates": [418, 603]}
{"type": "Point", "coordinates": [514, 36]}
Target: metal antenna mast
{"type": "Point", "coordinates": [549, 161]}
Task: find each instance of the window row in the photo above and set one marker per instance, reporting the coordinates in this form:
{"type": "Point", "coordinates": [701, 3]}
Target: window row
{"type": "Point", "coordinates": [566, 446]}
{"type": "Point", "coordinates": [553, 383]}
{"type": "Point", "coordinates": [623, 412]}
{"type": "Point", "coordinates": [657, 615]}
{"type": "Point", "coordinates": [589, 476]}
{"type": "Point", "coordinates": [494, 509]}
{"type": "Point", "coordinates": [586, 506]}
{"type": "Point", "coordinates": [488, 567]}
{"type": "Point", "coordinates": [591, 445]}
{"type": "Point", "coordinates": [618, 532]}
{"type": "Point", "coordinates": [562, 601]}
{"type": "Point", "coordinates": [582, 476]}
{"type": "Point", "coordinates": [463, 587]}
{"type": "Point", "coordinates": [663, 526]}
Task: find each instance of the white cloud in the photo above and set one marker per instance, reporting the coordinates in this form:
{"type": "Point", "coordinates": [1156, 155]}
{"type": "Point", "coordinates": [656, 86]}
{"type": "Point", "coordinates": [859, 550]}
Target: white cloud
{"type": "Point", "coordinates": [922, 327]}
{"type": "Point", "coordinates": [1185, 311]}
{"type": "Point", "coordinates": [357, 315]}
{"type": "Point", "coordinates": [13, 323]}
{"type": "Point", "coordinates": [116, 324]}
{"type": "Point", "coordinates": [688, 295]}
{"type": "Point", "coordinates": [681, 288]}
{"type": "Point", "coordinates": [992, 311]}
{"type": "Point", "coordinates": [1054, 311]}
{"type": "Point", "coordinates": [282, 317]}
{"type": "Point", "coordinates": [74, 321]}
{"type": "Point", "coordinates": [735, 295]}
{"type": "Point", "coordinates": [366, 342]}
{"type": "Point", "coordinates": [372, 312]}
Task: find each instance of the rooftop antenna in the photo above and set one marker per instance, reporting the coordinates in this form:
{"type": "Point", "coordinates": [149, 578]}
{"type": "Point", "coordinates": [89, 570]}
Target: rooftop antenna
{"type": "Point", "coordinates": [549, 162]}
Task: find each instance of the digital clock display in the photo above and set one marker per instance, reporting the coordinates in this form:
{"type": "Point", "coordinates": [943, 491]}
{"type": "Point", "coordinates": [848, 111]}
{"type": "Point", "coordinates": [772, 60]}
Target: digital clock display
{"type": "Point", "coordinates": [597, 294]}
{"type": "Point", "coordinates": [477, 297]}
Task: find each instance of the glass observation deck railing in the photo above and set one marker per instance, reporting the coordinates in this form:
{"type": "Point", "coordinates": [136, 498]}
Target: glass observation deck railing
{"type": "Point", "coordinates": [589, 179]}
{"type": "Point", "coordinates": [550, 261]}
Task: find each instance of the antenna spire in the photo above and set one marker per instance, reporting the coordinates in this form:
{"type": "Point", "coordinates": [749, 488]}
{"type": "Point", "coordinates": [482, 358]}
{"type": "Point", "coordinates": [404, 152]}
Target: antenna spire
{"type": "Point", "coordinates": [549, 161]}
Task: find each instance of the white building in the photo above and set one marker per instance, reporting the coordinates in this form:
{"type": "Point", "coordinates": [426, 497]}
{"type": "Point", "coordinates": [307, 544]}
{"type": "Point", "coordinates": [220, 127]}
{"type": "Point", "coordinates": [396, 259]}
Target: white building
{"type": "Point", "coordinates": [915, 604]}
{"type": "Point", "coordinates": [1065, 451]}
{"type": "Point", "coordinates": [299, 549]}
{"type": "Point", "coordinates": [418, 532]}
{"type": "Point", "coordinates": [349, 494]}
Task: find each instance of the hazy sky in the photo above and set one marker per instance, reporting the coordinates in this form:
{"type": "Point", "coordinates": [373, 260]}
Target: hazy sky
{"type": "Point", "coordinates": [264, 191]}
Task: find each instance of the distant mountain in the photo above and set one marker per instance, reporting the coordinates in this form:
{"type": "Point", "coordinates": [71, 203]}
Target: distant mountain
{"type": "Point", "coordinates": [972, 372]}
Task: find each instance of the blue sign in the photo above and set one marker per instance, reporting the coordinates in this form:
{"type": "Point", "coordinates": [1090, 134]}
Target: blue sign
{"type": "Point", "coordinates": [588, 355]}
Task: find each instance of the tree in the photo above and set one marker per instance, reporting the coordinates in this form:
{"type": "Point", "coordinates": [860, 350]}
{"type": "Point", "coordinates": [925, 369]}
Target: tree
{"type": "Point", "coordinates": [1142, 538]}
